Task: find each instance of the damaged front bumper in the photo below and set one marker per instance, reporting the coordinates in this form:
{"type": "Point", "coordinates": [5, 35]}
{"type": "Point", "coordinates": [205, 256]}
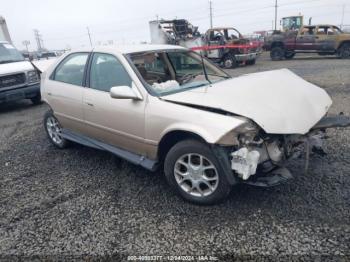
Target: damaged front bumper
{"type": "Point", "coordinates": [260, 162]}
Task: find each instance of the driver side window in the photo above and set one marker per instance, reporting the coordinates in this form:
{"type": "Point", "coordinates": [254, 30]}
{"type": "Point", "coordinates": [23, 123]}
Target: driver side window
{"type": "Point", "coordinates": [107, 72]}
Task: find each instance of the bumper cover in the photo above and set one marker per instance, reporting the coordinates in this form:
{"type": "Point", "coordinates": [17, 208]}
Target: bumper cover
{"type": "Point", "coordinates": [20, 93]}
{"type": "Point", "coordinates": [245, 57]}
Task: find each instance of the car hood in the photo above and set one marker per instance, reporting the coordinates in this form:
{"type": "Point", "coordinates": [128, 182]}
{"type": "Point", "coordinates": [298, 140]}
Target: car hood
{"type": "Point", "coordinates": [15, 67]}
{"type": "Point", "coordinates": [279, 101]}
{"type": "Point", "coordinates": [43, 65]}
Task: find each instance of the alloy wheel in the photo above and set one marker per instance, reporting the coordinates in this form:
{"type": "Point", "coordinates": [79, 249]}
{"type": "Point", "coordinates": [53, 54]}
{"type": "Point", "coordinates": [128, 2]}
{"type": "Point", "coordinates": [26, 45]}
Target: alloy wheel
{"type": "Point", "coordinates": [196, 175]}
{"type": "Point", "coordinates": [54, 130]}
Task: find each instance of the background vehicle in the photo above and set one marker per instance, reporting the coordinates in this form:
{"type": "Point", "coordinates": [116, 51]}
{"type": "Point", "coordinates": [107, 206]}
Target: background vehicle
{"type": "Point", "coordinates": [155, 105]}
{"type": "Point", "coordinates": [320, 39]}
{"type": "Point", "coordinates": [225, 46]}
{"type": "Point", "coordinates": [19, 79]}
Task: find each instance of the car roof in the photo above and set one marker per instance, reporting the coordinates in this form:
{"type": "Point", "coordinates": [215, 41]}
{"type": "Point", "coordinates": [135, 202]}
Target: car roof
{"type": "Point", "coordinates": [136, 48]}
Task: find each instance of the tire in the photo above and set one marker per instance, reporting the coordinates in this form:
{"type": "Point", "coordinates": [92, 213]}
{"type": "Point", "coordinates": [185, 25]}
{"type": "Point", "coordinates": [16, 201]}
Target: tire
{"type": "Point", "coordinates": [251, 62]}
{"type": "Point", "coordinates": [277, 53]}
{"type": "Point", "coordinates": [53, 130]}
{"type": "Point", "coordinates": [289, 55]}
{"type": "Point", "coordinates": [36, 100]}
{"type": "Point", "coordinates": [229, 61]}
{"type": "Point", "coordinates": [204, 187]}
{"type": "Point", "coordinates": [344, 51]}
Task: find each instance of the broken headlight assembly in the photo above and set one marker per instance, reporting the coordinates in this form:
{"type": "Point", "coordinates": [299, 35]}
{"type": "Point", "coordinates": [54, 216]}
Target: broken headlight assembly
{"type": "Point", "coordinates": [33, 77]}
{"type": "Point", "coordinates": [248, 134]}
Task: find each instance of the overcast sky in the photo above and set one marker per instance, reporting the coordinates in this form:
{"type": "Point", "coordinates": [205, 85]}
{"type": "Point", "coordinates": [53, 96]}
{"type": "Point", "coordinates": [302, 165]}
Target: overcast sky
{"type": "Point", "coordinates": [63, 23]}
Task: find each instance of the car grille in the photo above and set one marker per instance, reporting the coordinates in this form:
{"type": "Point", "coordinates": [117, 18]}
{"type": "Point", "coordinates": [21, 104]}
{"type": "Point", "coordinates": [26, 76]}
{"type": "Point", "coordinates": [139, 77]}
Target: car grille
{"type": "Point", "coordinates": [12, 80]}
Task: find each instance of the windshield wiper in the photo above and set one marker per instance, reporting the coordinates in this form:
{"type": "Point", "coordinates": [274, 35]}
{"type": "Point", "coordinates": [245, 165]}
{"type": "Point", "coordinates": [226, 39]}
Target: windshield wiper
{"type": "Point", "coordinates": [204, 69]}
{"type": "Point", "coordinates": [188, 77]}
{"type": "Point", "coordinates": [219, 76]}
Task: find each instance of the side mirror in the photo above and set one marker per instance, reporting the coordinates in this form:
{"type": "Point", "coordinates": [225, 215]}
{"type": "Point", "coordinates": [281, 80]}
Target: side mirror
{"type": "Point", "coordinates": [123, 92]}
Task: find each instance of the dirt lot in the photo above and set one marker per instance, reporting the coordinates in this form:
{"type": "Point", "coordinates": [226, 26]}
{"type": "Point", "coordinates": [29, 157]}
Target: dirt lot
{"type": "Point", "coordinates": [82, 201]}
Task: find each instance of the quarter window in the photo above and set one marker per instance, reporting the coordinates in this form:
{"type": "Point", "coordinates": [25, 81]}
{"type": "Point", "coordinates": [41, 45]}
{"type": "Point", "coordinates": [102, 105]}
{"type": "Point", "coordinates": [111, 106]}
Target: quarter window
{"type": "Point", "coordinates": [71, 70]}
{"type": "Point", "coordinates": [106, 72]}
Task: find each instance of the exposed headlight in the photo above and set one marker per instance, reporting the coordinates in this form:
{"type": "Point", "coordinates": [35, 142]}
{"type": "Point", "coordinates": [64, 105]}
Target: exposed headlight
{"type": "Point", "coordinates": [247, 133]}
{"type": "Point", "coordinates": [33, 77]}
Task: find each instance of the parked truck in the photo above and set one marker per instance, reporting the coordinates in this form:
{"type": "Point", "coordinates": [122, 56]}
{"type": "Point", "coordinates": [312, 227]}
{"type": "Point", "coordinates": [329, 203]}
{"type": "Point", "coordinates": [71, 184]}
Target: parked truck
{"type": "Point", "coordinates": [319, 39]}
{"type": "Point", "coordinates": [223, 45]}
{"type": "Point", "coordinates": [19, 79]}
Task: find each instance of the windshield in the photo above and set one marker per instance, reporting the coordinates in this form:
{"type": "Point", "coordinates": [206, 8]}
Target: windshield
{"type": "Point", "coordinates": [8, 54]}
{"type": "Point", "coordinates": [168, 72]}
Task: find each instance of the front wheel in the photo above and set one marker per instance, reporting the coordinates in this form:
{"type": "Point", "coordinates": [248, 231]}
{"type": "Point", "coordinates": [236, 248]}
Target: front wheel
{"type": "Point", "coordinates": [277, 53]}
{"type": "Point", "coordinates": [36, 100]}
{"type": "Point", "coordinates": [193, 171]}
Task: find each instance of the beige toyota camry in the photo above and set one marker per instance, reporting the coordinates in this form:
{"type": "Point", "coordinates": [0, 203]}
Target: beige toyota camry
{"type": "Point", "coordinates": [166, 106]}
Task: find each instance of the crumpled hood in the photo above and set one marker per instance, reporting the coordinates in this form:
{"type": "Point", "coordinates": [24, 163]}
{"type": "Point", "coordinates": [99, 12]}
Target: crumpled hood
{"type": "Point", "coordinates": [279, 101]}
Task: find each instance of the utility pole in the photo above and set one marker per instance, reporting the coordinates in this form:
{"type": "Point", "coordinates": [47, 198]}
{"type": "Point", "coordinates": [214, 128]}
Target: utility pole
{"type": "Point", "coordinates": [88, 31]}
{"type": "Point", "coordinates": [157, 18]}
{"type": "Point", "coordinates": [39, 40]}
{"type": "Point", "coordinates": [211, 14]}
{"type": "Point", "coordinates": [342, 17]}
{"type": "Point", "coordinates": [276, 14]}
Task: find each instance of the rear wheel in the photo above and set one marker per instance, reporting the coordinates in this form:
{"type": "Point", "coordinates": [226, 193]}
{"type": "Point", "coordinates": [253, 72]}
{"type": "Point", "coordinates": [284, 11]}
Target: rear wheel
{"type": "Point", "coordinates": [193, 171]}
{"type": "Point", "coordinates": [54, 130]}
{"type": "Point", "coordinates": [229, 61]}
{"type": "Point", "coordinates": [344, 51]}
{"type": "Point", "coordinates": [277, 53]}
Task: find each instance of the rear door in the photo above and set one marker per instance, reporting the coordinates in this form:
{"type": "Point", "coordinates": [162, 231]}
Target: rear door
{"type": "Point", "coordinates": [119, 122]}
{"type": "Point", "coordinates": [326, 38]}
{"type": "Point", "coordinates": [306, 39]}
{"type": "Point", "coordinates": [65, 90]}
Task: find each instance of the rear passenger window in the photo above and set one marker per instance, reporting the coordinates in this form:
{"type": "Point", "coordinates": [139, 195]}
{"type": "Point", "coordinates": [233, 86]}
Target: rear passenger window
{"type": "Point", "coordinates": [71, 70]}
{"type": "Point", "coordinates": [107, 72]}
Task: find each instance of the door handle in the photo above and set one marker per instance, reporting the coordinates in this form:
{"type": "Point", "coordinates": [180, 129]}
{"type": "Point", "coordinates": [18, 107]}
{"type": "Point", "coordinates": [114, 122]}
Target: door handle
{"type": "Point", "coordinates": [89, 104]}
{"type": "Point", "coordinates": [49, 94]}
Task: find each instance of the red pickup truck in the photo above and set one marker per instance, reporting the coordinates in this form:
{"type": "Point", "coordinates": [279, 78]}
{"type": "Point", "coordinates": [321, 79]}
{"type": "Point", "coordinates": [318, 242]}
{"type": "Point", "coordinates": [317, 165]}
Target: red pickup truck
{"type": "Point", "coordinates": [320, 39]}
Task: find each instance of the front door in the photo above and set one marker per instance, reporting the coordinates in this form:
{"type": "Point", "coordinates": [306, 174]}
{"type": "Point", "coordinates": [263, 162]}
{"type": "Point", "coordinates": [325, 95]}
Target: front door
{"type": "Point", "coordinates": [119, 122]}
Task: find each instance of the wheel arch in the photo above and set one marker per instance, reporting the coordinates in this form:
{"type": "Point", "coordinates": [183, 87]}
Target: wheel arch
{"type": "Point", "coordinates": [343, 43]}
{"type": "Point", "coordinates": [277, 44]}
{"type": "Point", "coordinates": [173, 137]}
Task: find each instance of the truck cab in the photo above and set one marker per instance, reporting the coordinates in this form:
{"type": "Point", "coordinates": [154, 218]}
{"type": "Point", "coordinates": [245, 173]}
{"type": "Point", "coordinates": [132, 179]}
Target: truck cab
{"type": "Point", "coordinates": [19, 79]}
{"type": "Point", "coordinates": [320, 39]}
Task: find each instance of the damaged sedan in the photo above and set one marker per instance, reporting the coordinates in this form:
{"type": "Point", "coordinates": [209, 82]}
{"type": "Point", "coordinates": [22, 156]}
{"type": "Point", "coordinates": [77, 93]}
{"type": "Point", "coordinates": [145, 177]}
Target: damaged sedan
{"type": "Point", "coordinates": [161, 106]}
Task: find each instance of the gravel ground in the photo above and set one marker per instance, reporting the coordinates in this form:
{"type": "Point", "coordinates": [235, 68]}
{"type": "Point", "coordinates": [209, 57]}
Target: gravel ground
{"type": "Point", "coordinates": [84, 202]}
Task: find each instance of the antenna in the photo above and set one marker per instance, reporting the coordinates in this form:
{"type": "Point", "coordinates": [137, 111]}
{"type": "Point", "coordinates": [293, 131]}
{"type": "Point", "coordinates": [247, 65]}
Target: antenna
{"type": "Point", "coordinates": [88, 31]}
